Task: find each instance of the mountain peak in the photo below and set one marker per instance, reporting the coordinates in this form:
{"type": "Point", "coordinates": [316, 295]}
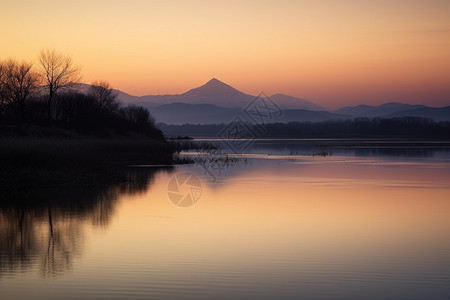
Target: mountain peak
{"type": "Point", "coordinates": [214, 86]}
{"type": "Point", "coordinates": [218, 93]}
{"type": "Point", "coordinates": [214, 82]}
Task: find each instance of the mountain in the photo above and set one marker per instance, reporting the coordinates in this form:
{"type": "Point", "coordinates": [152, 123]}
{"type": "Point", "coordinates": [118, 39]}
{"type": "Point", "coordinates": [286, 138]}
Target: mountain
{"type": "Point", "coordinates": [437, 114]}
{"type": "Point", "coordinates": [213, 92]}
{"type": "Point", "coordinates": [216, 92]}
{"type": "Point", "coordinates": [355, 110]}
{"type": "Point", "coordinates": [303, 115]}
{"type": "Point", "coordinates": [289, 102]}
{"type": "Point", "coordinates": [395, 110]}
{"type": "Point", "coordinates": [126, 98]}
{"type": "Point", "coordinates": [218, 102]}
{"type": "Point", "coordinates": [182, 113]}
{"type": "Point", "coordinates": [382, 110]}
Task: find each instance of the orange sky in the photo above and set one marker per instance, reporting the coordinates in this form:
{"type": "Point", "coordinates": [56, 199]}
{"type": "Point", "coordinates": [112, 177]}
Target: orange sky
{"type": "Point", "coordinates": [330, 52]}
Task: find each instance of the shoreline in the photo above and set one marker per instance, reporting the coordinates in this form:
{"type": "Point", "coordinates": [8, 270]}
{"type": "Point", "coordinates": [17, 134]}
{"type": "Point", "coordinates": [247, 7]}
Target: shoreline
{"type": "Point", "coordinates": [59, 162]}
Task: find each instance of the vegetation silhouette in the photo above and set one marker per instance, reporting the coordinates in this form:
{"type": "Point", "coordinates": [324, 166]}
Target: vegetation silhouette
{"type": "Point", "coordinates": [46, 96]}
{"type": "Point", "coordinates": [54, 133]}
{"type": "Point", "coordinates": [57, 71]}
{"type": "Point", "coordinates": [18, 82]}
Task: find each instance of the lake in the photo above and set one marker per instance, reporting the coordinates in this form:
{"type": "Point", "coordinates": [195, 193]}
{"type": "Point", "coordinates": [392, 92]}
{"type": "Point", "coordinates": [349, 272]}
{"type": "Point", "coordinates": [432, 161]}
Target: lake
{"type": "Point", "coordinates": [278, 219]}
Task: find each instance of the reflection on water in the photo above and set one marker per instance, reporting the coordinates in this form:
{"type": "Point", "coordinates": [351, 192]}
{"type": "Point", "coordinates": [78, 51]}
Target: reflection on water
{"type": "Point", "coordinates": [281, 226]}
{"type": "Point", "coordinates": [45, 228]}
{"type": "Point", "coordinates": [345, 147]}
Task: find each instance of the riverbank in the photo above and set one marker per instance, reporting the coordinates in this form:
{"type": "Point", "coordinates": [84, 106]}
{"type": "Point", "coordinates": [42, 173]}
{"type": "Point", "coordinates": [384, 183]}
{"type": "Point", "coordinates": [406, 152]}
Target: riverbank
{"type": "Point", "coordinates": [36, 162]}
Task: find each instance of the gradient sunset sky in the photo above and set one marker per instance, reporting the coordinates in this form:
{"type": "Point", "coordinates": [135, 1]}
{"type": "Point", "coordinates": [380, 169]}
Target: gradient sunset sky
{"type": "Point", "coordinates": [331, 52]}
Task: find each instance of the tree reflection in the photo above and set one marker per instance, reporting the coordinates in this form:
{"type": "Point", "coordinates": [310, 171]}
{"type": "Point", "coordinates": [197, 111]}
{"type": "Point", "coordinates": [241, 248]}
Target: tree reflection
{"type": "Point", "coordinates": [45, 228]}
{"type": "Point", "coordinates": [18, 239]}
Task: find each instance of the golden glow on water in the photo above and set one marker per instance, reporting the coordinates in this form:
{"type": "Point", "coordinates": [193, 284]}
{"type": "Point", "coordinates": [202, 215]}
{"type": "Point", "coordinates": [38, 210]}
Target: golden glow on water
{"type": "Point", "coordinates": [308, 227]}
{"type": "Point", "coordinates": [291, 213]}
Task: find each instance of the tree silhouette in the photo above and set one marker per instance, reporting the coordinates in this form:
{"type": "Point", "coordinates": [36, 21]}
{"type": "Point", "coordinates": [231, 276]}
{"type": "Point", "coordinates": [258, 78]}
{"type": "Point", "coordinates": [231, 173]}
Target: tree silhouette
{"type": "Point", "coordinates": [138, 116]}
{"type": "Point", "coordinates": [58, 72]}
{"type": "Point", "coordinates": [2, 96]}
{"type": "Point", "coordinates": [18, 82]}
{"type": "Point", "coordinates": [104, 95]}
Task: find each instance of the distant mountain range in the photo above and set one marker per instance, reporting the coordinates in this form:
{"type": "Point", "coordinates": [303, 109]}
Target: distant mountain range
{"type": "Point", "coordinates": [368, 111]}
{"type": "Point", "coordinates": [437, 114]}
{"type": "Point", "coordinates": [217, 102]}
{"type": "Point", "coordinates": [182, 113]}
{"type": "Point", "coordinates": [395, 110]}
{"type": "Point", "coordinates": [217, 93]}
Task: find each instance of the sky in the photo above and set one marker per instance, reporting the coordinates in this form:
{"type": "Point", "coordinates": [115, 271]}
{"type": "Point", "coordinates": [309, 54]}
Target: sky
{"type": "Point", "coordinates": [331, 52]}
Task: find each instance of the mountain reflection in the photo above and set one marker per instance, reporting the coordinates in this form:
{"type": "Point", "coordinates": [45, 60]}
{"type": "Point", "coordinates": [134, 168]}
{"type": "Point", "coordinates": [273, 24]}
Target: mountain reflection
{"type": "Point", "coordinates": [45, 228]}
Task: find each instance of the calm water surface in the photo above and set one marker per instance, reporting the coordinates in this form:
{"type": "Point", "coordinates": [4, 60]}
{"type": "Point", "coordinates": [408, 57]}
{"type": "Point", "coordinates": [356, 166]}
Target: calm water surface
{"type": "Point", "coordinates": [371, 221]}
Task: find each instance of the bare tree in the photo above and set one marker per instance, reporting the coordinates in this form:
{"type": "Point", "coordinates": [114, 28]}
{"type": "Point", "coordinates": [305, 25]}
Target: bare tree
{"type": "Point", "coordinates": [2, 85]}
{"type": "Point", "coordinates": [58, 72]}
{"type": "Point", "coordinates": [104, 95]}
{"type": "Point", "coordinates": [18, 83]}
